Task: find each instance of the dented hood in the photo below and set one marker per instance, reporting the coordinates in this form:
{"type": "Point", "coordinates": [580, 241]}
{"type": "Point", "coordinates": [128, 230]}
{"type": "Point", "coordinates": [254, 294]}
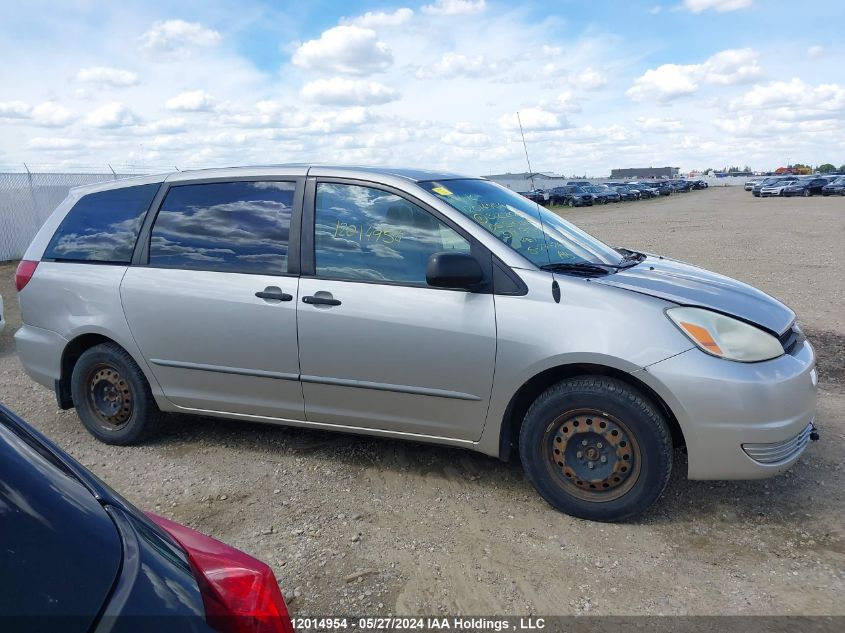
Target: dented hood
{"type": "Point", "coordinates": [692, 286]}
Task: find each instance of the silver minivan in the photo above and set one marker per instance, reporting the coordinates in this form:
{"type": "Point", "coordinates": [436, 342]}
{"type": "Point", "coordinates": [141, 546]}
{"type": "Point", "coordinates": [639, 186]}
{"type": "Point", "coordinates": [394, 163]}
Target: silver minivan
{"type": "Point", "coordinates": [415, 305]}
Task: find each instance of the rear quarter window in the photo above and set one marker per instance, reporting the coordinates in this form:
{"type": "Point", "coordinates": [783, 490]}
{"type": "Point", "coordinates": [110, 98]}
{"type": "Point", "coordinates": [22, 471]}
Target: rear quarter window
{"type": "Point", "coordinates": [102, 226]}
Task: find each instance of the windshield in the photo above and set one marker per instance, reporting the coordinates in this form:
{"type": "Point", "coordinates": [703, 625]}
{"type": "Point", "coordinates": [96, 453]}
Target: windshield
{"type": "Point", "coordinates": [542, 237]}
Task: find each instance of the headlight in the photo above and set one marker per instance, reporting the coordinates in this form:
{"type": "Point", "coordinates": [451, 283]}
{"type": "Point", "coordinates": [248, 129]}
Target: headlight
{"type": "Point", "coordinates": [725, 337]}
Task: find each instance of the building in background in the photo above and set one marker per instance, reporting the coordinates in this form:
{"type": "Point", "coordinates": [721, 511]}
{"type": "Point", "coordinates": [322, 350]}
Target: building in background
{"type": "Point", "coordinates": [645, 172]}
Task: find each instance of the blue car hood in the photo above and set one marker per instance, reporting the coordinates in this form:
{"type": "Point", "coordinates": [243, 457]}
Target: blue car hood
{"type": "Point", "coordinates": [689, 285]}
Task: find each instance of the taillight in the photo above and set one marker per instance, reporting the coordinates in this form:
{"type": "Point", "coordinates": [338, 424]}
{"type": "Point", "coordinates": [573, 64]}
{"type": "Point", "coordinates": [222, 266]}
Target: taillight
{"type": "Point", "coordinates": [24, 272]}
{"type": "Point", "coordinates": [240, 593]}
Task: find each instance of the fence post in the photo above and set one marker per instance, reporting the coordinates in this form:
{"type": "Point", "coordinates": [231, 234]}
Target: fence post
{"type": "Point", "coordinates": [112, 171]}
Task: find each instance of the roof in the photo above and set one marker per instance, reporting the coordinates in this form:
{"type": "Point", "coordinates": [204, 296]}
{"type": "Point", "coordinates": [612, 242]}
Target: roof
{"type": "Point", "coordinates": [416, 175]}
{"type": "Point", "coordinates": [292, 169]}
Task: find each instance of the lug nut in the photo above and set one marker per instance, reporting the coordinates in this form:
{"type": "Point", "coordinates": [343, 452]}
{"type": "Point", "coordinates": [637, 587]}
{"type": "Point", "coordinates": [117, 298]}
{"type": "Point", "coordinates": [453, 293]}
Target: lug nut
{"type": "Point", "coordinates": [599, 445]}
{"type": "Point", "coordinates": [579, 454]}
{"type": "Point", "coordinates": [583, 442]}
{"type": "Point", "coordinates": [590, 465]}
{"type": "Point", "coordinates": [603, 459]}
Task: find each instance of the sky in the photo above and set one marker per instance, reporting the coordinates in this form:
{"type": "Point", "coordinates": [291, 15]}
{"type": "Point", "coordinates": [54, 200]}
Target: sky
{"type": "Point", "coordinates": [434, 84]}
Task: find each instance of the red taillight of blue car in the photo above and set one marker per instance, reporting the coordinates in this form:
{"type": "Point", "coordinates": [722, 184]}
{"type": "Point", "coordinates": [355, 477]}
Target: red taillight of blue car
{"type": "Point", "coordinates": [240, 593]}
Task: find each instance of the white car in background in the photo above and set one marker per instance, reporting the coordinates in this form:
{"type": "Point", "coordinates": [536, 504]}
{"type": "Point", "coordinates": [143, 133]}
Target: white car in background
{"type": "Point", "coordinates": [776, 189]}
{"type": "Point", "coordinates": [749, 184]}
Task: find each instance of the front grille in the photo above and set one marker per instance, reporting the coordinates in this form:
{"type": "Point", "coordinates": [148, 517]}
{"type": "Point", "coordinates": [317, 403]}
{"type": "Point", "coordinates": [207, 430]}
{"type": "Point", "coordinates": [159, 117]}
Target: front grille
{"type": "Point", "coordinates": [779, 451]}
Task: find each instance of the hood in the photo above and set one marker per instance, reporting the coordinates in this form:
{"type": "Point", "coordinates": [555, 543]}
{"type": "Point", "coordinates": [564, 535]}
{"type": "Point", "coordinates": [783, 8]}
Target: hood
{"type": "Point", "coordinates": [689, 285]}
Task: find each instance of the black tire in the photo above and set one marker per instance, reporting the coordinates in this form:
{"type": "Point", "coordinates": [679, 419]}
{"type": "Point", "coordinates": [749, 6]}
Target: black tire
{"type": "Point", "coordinates": [112, 396]}
{"type": "Point", "coordinates": [548, 456]}
{"type": "Point", "coordinates": [571, 203]}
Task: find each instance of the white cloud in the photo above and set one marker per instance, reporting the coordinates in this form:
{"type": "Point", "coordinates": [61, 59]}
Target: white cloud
{"type": "Point", "coordinates": [464, 139]}
{"type": "Point", "coordinates": [697, 6]}
{"type": "Point", "coordinates": [815, 52]}
{"type": "Point", "coordinates": [795, 95]}
{"type": "Point", "coordinates": [665, 82]}
{"type": "Point", "coordinates": [52, 114]}
{"type": "Point", "coordinates": [339, 91]}
{"type": "Point", "coordinates": [656, 124]}
{"type": "Point", "coordinates": [345, 49]}
{"type": "Point", "coordinates": [457, 65]}
{"type": "Point", "coordinates": [534, 119]}
{"type": "Point", "coordinates": [171, 125]}
{"type": "Point", "coordinates": [111, 115]}
{"type": "Point", "coordinates": [376, 19]}
{"type": "Point", "coordinates": [732, 67]}
{"type": "Point", "coordinates": [670, 81]}
{"type": "Point", "coordinates": [107, 75]}
{"type": "Point", "coordinates": [589, 79]}
{"type": "Point", "coordinates": [54, 143]}
{"type": "Point", "coordinates": [454, 7]}
{"type": "Point", "coordinates": [191, 101]}
{"type": "Point", "coordinates": [177, 37]}
{"type": "Point", "coordinates": [15, 110]}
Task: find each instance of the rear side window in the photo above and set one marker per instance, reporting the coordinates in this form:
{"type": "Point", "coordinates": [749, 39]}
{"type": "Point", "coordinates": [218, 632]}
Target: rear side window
{"type": "Point", "coordinates": [234, 227]}
{"type": "Point", "coordinates": [103, 226]}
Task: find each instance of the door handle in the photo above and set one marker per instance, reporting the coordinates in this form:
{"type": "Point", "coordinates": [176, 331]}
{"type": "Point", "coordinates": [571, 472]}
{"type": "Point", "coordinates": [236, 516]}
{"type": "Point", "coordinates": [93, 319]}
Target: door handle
{"type": "Point", "coordinates": [321, 301]}
{"type": "Point", "coordinates": [274, 294]}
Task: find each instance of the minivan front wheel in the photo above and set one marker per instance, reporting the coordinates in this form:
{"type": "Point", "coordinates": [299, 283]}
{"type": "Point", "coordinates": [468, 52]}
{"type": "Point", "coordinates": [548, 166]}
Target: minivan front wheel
{"type": "Point", "coordinates": [112, 397]}
{"type": "Point", "coordinates": [596, 448]}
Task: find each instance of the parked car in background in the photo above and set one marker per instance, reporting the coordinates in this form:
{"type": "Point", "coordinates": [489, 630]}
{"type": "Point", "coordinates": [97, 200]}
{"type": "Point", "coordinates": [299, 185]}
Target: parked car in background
{"type": "Point", "coordinates": [602, 194]}
{"type": "Point", "coordinates": [663, 186]}
{"type": "Point", "coordinates": [777, 188]}
{"type": "Point", "coordinates": [835, 188]}
{"type": "Point", "coordinates": [771, 180]}
{"type": "Point", "coordinates": [699, 184]}
{"type": "Point", "coordinates": [78, 557]}
{"type": "Point", "coordinates": [579, 183]}
{"type": "Point", "coordinates": [681, 186]}
{"type": "Point", "coordinates": [539, 196]}
{"type": "Point", "coordinates": [646, 191]}
{"type": "Point", "coordinates": [806, 187]}
{"type": "Point", "coordinates": [273, 270]}
{"type": "Point", "coordinates": [626, 193]}
{"type": "Point", "coordinates": [570, 195]}
{"type": "Point", "coordinates": [751, 182]}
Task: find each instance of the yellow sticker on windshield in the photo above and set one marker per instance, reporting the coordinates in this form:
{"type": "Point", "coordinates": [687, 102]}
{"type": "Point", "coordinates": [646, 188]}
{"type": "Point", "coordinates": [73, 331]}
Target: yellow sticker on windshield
{"type": "Point", "coordinates": [442, 191]}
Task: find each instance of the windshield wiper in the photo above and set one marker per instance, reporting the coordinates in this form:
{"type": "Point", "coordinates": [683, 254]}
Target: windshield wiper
{"type": "Point", "coordinates": [581, 268]}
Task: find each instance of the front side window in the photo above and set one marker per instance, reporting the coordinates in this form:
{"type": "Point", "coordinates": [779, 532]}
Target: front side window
{"type": "Point", "coordinates": [367, 234]}
{"type": "Point", "coordinates": [541, 236]}
{"type": "Point", "coordinates": [103, 226]}
{"type": "Point", "coordinates": [234, 227]}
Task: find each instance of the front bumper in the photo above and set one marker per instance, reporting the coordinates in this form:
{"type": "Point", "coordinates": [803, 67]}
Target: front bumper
{"type": "Point", "coordinates": [733, 413]}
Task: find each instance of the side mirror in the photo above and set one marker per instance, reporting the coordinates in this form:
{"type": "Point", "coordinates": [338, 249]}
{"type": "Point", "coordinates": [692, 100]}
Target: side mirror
{"type": "Point", "coordinates": [453, 270]}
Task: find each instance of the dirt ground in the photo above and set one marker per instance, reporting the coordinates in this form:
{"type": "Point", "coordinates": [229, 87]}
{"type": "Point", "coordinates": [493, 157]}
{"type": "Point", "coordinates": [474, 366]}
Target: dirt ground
{"type": "Point", "coordinates": [437, 530]}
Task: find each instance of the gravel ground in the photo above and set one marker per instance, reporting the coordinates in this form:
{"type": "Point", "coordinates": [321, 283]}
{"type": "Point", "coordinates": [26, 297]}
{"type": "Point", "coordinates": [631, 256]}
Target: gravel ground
{"type": "Point", "coordinates": [374, 527]}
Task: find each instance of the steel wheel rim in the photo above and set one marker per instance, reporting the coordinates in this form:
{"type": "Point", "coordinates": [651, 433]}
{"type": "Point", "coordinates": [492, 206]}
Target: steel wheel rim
{"type": "Point", "coordinates": [574, 445]}
{"type": "Point", "coordinates": [109, 397]}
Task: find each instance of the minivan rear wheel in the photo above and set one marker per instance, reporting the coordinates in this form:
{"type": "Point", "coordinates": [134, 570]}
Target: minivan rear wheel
{"type": "Point", "coordinates": [596, 448]}
{"type": "Point", "coordinates": [112, 396]}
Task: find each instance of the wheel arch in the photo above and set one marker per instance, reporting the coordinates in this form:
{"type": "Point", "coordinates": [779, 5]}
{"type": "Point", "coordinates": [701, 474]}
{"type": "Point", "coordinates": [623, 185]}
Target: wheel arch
{"type": "Point", "coordinates": [533, 387]}
{"type": "Point", "coordinates": [70, 355]}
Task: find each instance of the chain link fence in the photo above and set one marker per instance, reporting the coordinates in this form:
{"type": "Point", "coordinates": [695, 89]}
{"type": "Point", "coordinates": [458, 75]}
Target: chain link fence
{"type": "Point", "coordinates": [27, 199]}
